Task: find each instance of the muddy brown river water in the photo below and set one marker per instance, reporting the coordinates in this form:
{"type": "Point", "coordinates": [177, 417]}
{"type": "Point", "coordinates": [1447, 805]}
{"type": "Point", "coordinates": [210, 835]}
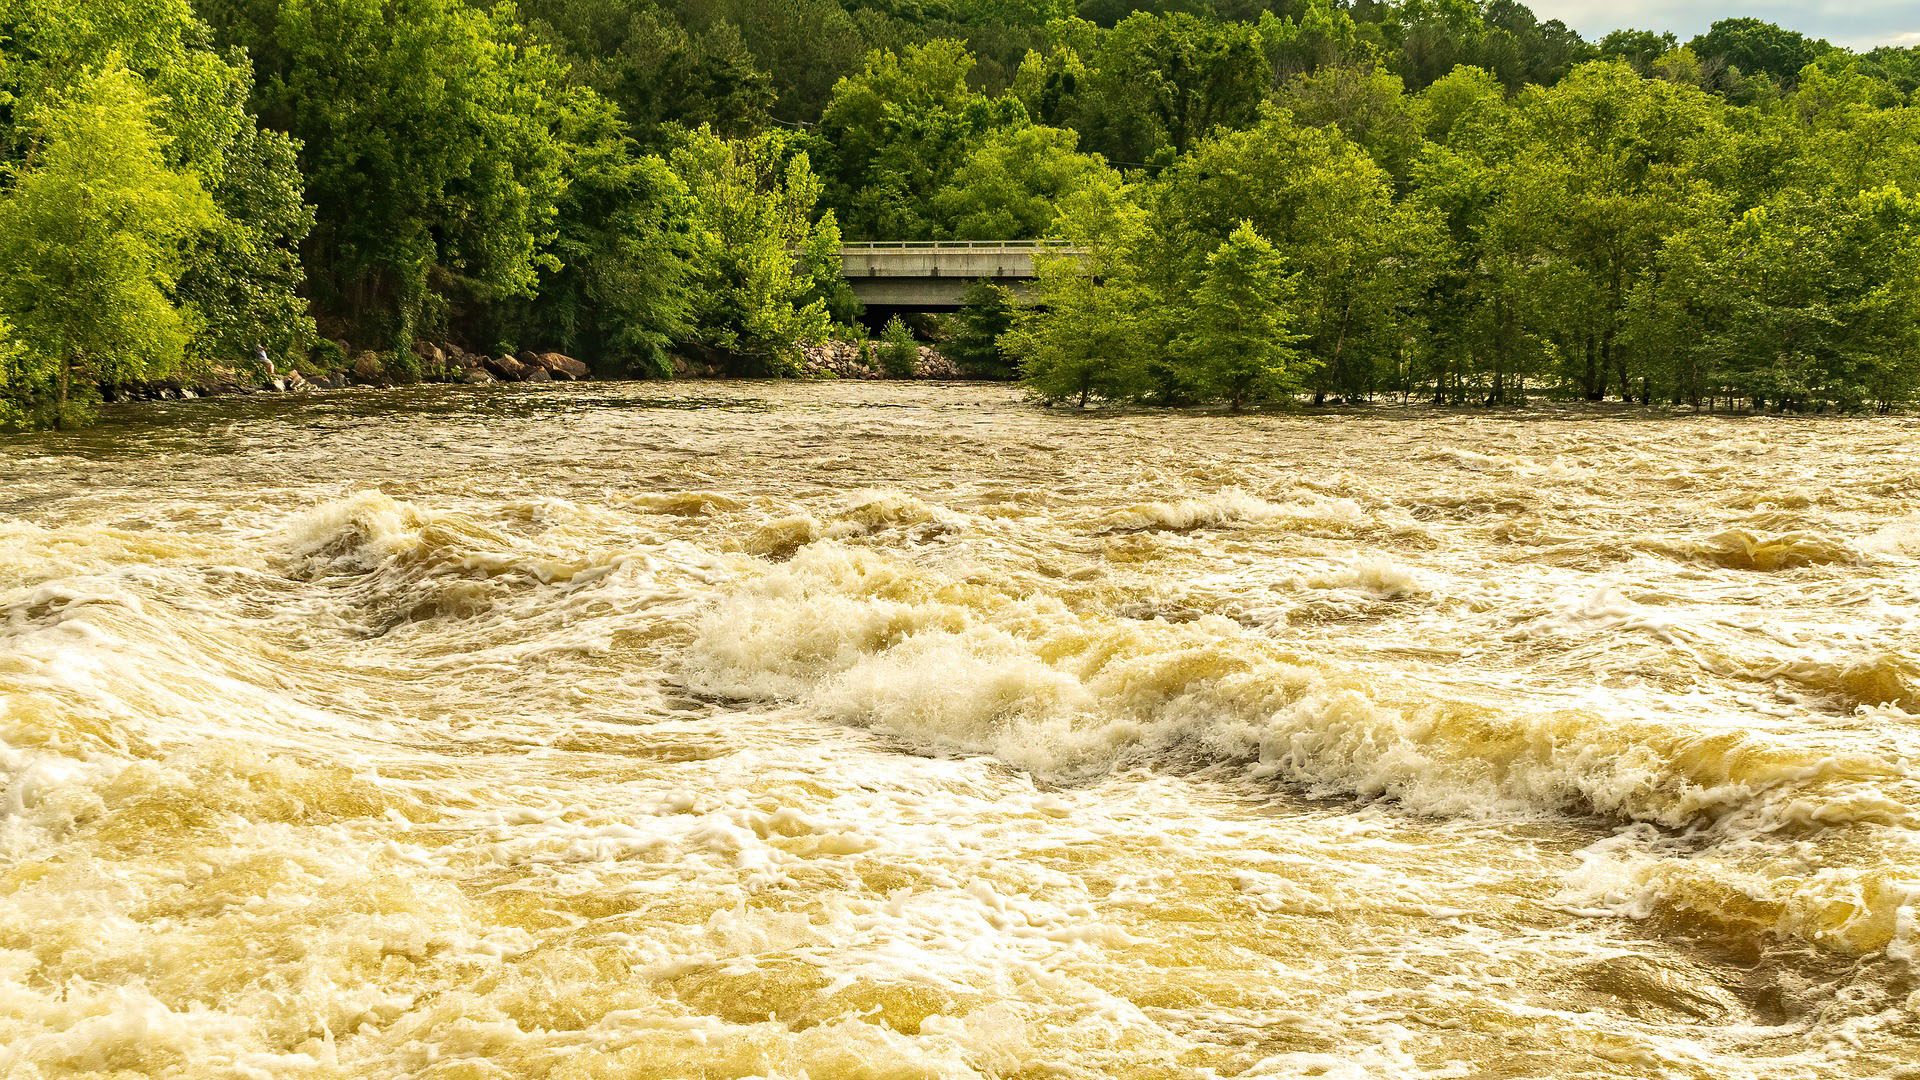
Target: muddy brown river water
{"type": "Point", "coordinates": [888, 731]}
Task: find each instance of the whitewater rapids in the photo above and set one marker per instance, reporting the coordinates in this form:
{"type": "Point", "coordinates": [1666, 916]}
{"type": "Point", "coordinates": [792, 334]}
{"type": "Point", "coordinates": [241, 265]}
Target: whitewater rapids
{"type": "Point", "coordinates": [895, 731]}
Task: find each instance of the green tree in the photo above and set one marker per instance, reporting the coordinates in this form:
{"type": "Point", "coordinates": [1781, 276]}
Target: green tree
{"type": "Point", "coordinates": [1435, 36]}
{"type": "Point", "coordinates": [1464, 95]}
{"type": "Point", "coordinates": [1049, 81]}
{"type": "Point", "coordinates": [1756, 47]}
{"type": "Point", "coordinates": [15, 380]}
{"type": "Point", "coordinates": [645, 61]}
{"type": "Point", "coordinates": [244, 278]}
{"type": "Point", "coordinates": [1017, 12]}
{"type": "Point", "coordinates": [1367, 105]}
{"type": "Point", "coordinates": [1239, 333]}
{"type": "Point", "coordinates": [1807, 299]}
{"type": "Point", "coordinates": [987, 312]}
{"type": "Point", "coordinates": [1011, 185]}
{"type": "Point", "coordinates": [621, 294]}
{"type": "Point", "coordinates": [1637, 47]}
{"type": "Point", "coordinates": [1321, 35]}
{"type": "Point", "coordinates": [1543, 52]}
{"type": "Point", "coordinates": [1085, 336]}
{"type": "Point", "coordinates": [765, 267]}
{"type": "Point", "coordinates": [1166, 81]}
{"type": "Point", "coordinates": [1609, 166]}
{"type": "Point", "coordinates": [899, 353]}
{"type": "Point", "coordinates": [1330, 212]}
{"type": "Point", "coordinates": [427, 132]}
{"type": "Point", "coordinates": [1846, 138]}
{"type": "Point", "coordinates": [806, 46]}
{"type": "Point", "coordinates": [51, 45]}
{"type": "Point", "coordinates": [894, 134]}
{"type": "Point", "coordinates": [91, 240]}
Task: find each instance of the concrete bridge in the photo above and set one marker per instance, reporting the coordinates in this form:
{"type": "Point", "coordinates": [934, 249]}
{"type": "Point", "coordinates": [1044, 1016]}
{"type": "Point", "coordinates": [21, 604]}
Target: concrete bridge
{"type": "Point", "coordinates": [930, 275]}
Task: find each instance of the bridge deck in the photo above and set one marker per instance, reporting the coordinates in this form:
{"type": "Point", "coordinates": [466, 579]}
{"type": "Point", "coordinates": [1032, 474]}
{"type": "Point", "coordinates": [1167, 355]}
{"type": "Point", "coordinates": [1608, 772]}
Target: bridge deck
{"type": "Point", "coordinates": [931, 274]}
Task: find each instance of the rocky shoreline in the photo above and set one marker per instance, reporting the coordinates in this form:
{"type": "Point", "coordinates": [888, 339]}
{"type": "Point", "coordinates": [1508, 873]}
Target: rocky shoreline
{"type": "Point", "coordinates": [448, 363]}
{"type": "Point", "coordinates": [855, 360]}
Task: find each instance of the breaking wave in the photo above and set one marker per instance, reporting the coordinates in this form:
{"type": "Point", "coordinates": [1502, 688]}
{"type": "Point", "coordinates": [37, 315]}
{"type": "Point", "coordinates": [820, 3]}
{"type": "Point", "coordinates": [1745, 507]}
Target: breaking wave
{"type": "Point", "coordinates": [867, 640]}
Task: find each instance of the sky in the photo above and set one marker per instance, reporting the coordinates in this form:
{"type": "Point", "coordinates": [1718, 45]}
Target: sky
{"type": "Point", "coordinates": [1857, 24]}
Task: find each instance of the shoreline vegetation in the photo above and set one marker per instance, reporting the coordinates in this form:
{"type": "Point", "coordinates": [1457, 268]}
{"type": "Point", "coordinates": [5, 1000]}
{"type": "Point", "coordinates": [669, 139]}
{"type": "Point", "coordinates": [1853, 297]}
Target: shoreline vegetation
{"type": "Point", "coordinates": [1518, 405]}
{"type": "Point", "coordinates": [1269, 200]}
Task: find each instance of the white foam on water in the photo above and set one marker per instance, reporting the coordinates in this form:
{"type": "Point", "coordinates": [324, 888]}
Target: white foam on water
{"type": "Point", "coordinates": [796, 746]}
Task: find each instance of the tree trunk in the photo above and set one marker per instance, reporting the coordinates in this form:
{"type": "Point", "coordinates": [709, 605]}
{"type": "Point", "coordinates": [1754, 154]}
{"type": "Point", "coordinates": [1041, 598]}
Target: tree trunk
{"type": "Point", "coordinates": [60, 394]}
{"type": "Point", "coordinates": [1340, 345]}
{"type": "Point", "coordinates": [1610, 359]}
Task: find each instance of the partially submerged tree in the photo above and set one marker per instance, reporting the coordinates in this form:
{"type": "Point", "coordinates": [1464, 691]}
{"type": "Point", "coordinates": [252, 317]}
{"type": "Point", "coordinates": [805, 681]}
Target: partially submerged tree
{"type": "Point", "coordinates": [1240, 335]}
{"type": "Point", "coordinates": [91, 244]}
{"type": "Point", "coordinates": [1085, 337]}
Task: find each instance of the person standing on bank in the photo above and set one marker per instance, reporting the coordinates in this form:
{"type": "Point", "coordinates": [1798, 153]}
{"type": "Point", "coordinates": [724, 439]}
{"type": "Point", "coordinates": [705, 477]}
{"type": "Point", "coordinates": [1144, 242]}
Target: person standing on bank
{"type": "Point", "coordinates": [266, 362]}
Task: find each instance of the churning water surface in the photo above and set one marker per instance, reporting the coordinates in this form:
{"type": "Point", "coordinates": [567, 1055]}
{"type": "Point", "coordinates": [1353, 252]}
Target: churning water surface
{"type": "Point", "coordinates": [836, 731]}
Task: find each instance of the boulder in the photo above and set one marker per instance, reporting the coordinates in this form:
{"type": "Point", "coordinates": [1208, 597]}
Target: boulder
{"type": "Point", "coordinates": [558, 365]}
{"type": "Point", "coordinates": [368, 370]}
{"type": "Point", "coordinates": [432, 360]}
{"type": "Point", "coordinates": [538, 374]}
{"type": "Point", "coordinates": [297, 381]}
{"type": "Point", "coordinates": [477, 376]}
{"type": "Point", "coordinates": [505, 368]}
{"type": "Point", "coordinates": [220, 379]}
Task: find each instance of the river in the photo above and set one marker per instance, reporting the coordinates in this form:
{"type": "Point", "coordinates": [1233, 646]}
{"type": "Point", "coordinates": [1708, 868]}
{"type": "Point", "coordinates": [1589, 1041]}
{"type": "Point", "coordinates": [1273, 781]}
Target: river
{"type": "Point", "coordinates": [895, 730]}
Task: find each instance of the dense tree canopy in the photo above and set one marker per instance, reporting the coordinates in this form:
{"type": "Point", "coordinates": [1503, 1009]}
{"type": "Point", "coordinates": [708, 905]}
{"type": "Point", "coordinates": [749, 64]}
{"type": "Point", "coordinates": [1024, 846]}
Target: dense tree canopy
{"type": "Point", "coordinates": [239, 284]}
{"type": "Point", "coordinates": [1343, 199]}
{"type": "Point", "coordinates": [93, 237]}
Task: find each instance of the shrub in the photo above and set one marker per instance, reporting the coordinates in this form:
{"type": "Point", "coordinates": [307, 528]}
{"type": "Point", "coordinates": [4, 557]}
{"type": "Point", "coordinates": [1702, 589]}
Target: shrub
{"type": "Point", "coordinates": [326, 357]}
{"type": "Point", "coordinates": [900, 355]}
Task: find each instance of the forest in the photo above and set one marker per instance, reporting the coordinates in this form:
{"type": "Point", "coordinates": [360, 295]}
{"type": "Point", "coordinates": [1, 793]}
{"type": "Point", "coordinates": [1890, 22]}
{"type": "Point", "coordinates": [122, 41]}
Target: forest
{"type": "Point", "coordinates": [1259, 200]}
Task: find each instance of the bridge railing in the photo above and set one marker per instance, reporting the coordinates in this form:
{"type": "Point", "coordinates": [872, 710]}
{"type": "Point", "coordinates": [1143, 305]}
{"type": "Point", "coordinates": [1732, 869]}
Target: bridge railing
{"type": "Point", "coordinates": [860, 246]}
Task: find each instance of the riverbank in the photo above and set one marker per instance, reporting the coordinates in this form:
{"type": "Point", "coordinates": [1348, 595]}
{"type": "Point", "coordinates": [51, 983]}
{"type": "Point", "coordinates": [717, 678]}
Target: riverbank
{"type": "Point", "coordinates": [843, 368]}
{"type": "Point", "coordinates": [449, 363]}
